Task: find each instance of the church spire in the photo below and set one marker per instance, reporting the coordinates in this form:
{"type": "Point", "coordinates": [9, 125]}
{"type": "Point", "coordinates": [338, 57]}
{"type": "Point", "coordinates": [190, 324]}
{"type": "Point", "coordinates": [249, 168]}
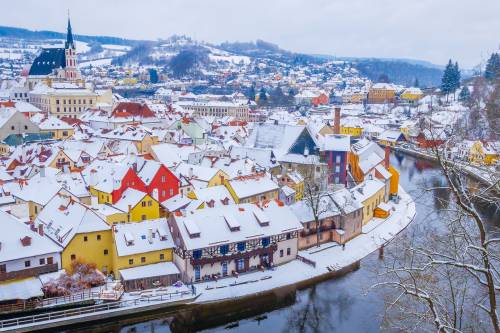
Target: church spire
{"type": "Point", "coordinates": [69, 36]}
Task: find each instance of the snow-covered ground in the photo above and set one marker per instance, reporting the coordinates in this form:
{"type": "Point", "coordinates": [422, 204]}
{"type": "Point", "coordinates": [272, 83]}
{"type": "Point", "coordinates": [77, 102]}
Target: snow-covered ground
{"type": "Point", "coordinates": [328, 257]}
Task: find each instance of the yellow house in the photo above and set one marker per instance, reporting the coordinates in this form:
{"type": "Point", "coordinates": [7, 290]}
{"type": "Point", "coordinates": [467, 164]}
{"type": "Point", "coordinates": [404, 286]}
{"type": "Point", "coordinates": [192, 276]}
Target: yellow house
{"type": "Point", "coordinates": [139, 205]}
{"type": "Point", "coordinates": [370, 193]}
{"type": "Point", "coordinates": [252, 189]}
{"type": "Point", "coordinates": [82, 234]}
{"type": "Point", "coordinates": [354, 131]}
{"type": "Point", "coordinates": [65, 99]}
{"type": "Point", "coordinates": [295, 181]}
{"type": "Point", "coordinates": [411, 95]}
{"type": "Point", "coordinates": [483, 153]}
{"type": "Point", "coordinates": [61, 161]}
{"type": "Point", "coordinates": [202, 175]}
{"type": "Point", "coordinates": [111, 214]}
{"type": "Point", "coordinates": [58, 128]}
{"type": "Point", "coordinates": [140, 244]}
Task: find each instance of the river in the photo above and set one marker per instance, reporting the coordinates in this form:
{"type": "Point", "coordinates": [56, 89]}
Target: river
{"type": "Point", "coordinates": [338, 305]}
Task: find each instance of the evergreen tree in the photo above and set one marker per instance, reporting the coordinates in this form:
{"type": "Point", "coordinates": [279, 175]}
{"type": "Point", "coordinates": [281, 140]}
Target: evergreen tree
{"type": "Point", "coordinates": [153, 75]}
{"type": "Point", "coordinates": [456, 77]}
{"type": "Point", "coordinates": [251, 93]}
{"type": "Point", "coordinates": [464, 95]}
{"type": "Point", "coordinates": [447, 82]}
{"type": "Point", "coordinates": [262, 96]}
{"type": "Point", "coordinates": [291, 92]}
{"type": "Point", "coordinates": [383, 78]}
{"type": "Point", "coordinates": [492, 70]}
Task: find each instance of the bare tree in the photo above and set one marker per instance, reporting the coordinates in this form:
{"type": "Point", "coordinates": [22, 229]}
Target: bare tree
{"type": "Point", "coordinates": [448, 280]}
{"type": "Point", "coordinates": [315, 197]}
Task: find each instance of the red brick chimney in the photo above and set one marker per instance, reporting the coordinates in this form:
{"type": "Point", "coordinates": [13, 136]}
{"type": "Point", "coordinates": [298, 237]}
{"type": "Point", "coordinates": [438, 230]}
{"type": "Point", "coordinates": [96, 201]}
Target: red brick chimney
{"type": "Point", "coordinates": [336, 121]}
{"type": "Point", "coordinates": [387, 156]}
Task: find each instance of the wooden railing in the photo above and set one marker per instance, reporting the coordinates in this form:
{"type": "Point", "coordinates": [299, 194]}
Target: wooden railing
{"type": "Point", "coordinates": [306, 261]}
{"type": "Point", "coordinates": [14, 322]}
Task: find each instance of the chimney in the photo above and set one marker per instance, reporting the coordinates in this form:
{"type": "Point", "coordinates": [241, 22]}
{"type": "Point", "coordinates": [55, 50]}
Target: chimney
{"type": "Point", "coordinates": [40, 230]}
{"type": "Point", "coordinates": [93, 177]}
{"type": "Point", "coordinates": [190, 174]}
{"type": "Point", "coordinates": [155, 194]}
{"type": "Point", "coordinates": [150, 236]}
{"type": "Point", "coordinates": [129, 208]}
{"type": "Point", "coordinates": [387, 156]}
{"type": "Point", "coordinates": [42, 171]}
{"type": "Point", "coordinates": [336, 121]}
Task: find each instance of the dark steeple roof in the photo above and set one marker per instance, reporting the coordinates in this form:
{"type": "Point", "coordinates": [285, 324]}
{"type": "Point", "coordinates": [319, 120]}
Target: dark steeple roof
{"type": "Point", "coordinates": [69, 37]}
{"type": "Point", "coordinates": [48, 60]}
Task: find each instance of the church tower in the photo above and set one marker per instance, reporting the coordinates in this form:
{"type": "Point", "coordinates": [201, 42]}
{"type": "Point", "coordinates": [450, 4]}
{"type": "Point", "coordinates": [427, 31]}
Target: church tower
{"type": "Point", "coordinates": [71, 69]}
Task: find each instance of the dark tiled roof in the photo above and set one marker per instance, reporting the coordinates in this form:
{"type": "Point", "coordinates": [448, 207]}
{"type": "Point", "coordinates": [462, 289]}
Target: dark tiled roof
{"type": "Point", "coordinates": [48, 60]}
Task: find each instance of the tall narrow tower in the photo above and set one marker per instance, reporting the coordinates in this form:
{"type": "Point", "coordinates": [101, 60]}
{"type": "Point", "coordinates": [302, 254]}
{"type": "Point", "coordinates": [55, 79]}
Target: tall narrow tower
{"type": "Point", "coordinates": [70, 53]}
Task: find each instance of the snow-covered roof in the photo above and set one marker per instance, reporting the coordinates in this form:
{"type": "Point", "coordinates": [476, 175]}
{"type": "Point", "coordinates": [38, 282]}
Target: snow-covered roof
{"type": "Point", "coordinates": [63, 217]}
{"type": "Point", "coordinates": [212, 227]}
{"type": "Point", "coordinates": [336, 142]}
{"type": "Point", "coordinates": [245, 187]}
{"type": "Point", "coordinates": [133, 238]}
{"type": "Point", "coordinates": [11, 247]}
{"type": "Point", "coordinates": [21, 289]}
{"type": "Point", "coordinates": [130, 197]}
{"type": "Point", "coordinates": [149, 271]}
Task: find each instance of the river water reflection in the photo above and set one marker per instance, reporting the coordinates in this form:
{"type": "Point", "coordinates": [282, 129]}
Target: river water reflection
{"type": "Point", "coordinates": [337, 305]}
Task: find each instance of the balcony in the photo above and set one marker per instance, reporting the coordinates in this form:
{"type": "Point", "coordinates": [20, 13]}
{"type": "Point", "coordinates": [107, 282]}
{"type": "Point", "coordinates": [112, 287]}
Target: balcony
{"type": "Point", "coordinates": [28, 272]}
{"type": "Point", "coordinates": [232, 256]}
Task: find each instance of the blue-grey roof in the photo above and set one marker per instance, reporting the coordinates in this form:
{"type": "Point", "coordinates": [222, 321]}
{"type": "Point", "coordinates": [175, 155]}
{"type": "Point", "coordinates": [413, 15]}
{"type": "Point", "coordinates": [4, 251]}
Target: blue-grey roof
{"type": "Point", "coordinates": [48, 60]}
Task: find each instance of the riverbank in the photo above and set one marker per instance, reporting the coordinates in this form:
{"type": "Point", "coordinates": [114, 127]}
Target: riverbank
{"type": "Point", "coordinates": [480, 174]}
{"type": "Point", "coordinates": [327, 259]}
{"type": "Point", "coordinates": [318, 263]}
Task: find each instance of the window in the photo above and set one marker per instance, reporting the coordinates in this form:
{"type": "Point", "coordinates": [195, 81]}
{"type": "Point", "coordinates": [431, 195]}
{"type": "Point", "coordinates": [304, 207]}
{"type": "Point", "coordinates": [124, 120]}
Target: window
{"type": "Point", "coordinates": [224, 249]}
{"type": "Point", "coordinates": [105, 252]}
{"type": "Point", "coordinates": [288, 251]}
{"type": "Point", "coordinates": [57, 101]}
{"type": "Point", "coordinates": [85, 238]}
{"type": "Point", "coordinates": [150, 203]}
{"type": "Point", "coordinates": [131, 261]}
{"type": "Point", "coordinates": [12, 127]}
{"type": "Point", "coordinates": [224, 268]}
{"type": "Point", "coordinates": [265, 241]}
{"type": "Point", "coordinates": [197, 272]}
{"type": "Point", "coordinates": [73, 257]}
{"type": "Point", "coordinates": [143, 259]}
{"type": "Point", "coordinates": [240, 264]}
{"type": "Point", "coordinates": [27, 263]}
{"type": "Point", "coordinates": [3, 268]}
{"type": "Point", "coordinates": [143, 204]}
{"type": "Point", "coordinates": [98, 237]}
{"type": "Point", "coordinates": [163, 193]}
{"type": "Point", "coordinates": [281, 253]}
{"type": "Point", "coordinates": [143, 217]}
{"type": "Point", "coordinates": [163, 179]}
{"type": "Point", "coordinates": [162, 256]}
{"type": "Point", "coordinates": [171, 192]}
{"type": "Point", "coordinates": [288, 236]}
{"type": "Point", "coordinates": [25, 127]}
{"type": "Point", "coordinates": [197, 254]}
{"type": "Point", "coordinates": [42, 261]}
{"type": "Point", "coordinates": [241, 246]}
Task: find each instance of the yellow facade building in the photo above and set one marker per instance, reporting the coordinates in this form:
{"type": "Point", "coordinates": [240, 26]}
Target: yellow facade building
{"type": "Point", "coordinates": [62, 99]}
{"type": "Point", "coordinates": [140, 244]}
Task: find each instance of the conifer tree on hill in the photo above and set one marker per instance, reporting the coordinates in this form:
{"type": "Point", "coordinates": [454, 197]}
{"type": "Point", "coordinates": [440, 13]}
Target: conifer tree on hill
{"type": "Point", "coordinates": [492, 70]}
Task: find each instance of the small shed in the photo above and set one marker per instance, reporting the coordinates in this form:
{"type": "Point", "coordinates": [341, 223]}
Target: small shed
{"type": "Point", "coordinates": [150, 276]}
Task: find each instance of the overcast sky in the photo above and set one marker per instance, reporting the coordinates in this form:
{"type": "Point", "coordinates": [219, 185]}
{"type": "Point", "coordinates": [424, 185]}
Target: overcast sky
{"type": "Point", "coordinates": [433, 30]}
